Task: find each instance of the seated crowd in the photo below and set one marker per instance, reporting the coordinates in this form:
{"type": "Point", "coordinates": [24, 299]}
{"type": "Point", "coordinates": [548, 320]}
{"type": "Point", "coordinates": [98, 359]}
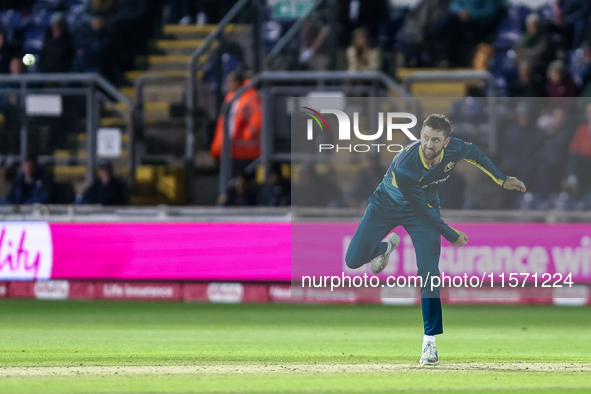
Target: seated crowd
{"type": "Point", "coordinates": [33, 184]}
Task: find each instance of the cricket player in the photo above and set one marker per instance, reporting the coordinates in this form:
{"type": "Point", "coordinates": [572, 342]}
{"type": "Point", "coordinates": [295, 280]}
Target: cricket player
{"type": "Point", "coordinates": [408, 197]}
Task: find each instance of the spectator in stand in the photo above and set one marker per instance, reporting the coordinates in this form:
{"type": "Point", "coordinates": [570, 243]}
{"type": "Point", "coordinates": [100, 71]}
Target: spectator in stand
{"type": "Point", "coordinates": [578, 176]}
{"type": "Point", "coordinates": [544, 168]}
{"type": "Point", "coordinates": [245, 124]}
{"type": "Point", "coordinates": [58, 51]}
{"type": "Point", "coordinates": [100, 8]}
{"type": "Point", "coordinates": [529, 83]}
{"type": "Point", "coordinates": [560, 83]}
{"type": "Point", "coordinates": [371, 14]}
{"type": "Point", "coordinates": [316, 190]}
{"type": "Point", "coordinates": [412, 37]}
{"type": "Point", "coordinates": [534, 46]}
{"type": "Point", "coordinates": [31, 186]}
{"type": "Point", "coordinates": [106, 188]}
{"type": "Point", "coordinates": [518, 140]}
{"type": "Point", "coordinates": [17, 67]}
{"type": "Point", "coordinates": [312, 37]}
{"type": "Point", "coordinates": [276, 191]}
{"type": "Point", "coordinates": [573, 18]}
{"type": "Point", "coordinates": [18, 5]}
{"type": "Point", "coordinates": [366, 181]}
{"type": "Point", "coordinates": [240, 193]}
{"type": "Point", "coordinates": [469, 22]}
{"type": "Point", "coordinates": [128, 28]}
{"type": "Point", "coordinates": [185, 12]}
{"type": "Point", "coordinates": [360, 55]}
{"type": "Point", "coordinates": [7, 53]}
{"type": "Point", "coordinates": [92, 48]}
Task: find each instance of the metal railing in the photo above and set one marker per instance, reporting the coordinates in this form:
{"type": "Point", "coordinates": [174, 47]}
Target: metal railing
{"type": "Point", "coordinates": [320, 78]}
{"type": "Point", "coordinates": [194, 63]}
{"type": "Point", "coordinates": [191, 99]}
{"type": "Point", "coordinates": [295, 28]}
{"type": "Point", "coordinates": [96, 90]}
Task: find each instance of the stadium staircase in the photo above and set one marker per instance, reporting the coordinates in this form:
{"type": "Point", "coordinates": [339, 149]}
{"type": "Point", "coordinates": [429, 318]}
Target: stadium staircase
{"type": "Point", "coordinates": [161, 178]}
{"type": "Point", "coordinates": [437, 97]}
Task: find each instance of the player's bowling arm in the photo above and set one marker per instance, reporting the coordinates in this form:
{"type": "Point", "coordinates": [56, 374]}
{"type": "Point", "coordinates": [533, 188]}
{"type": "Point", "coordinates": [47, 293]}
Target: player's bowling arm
{"type": "Point", "coordinates": [414, 194]}
{"type": "Point", "coordinates": [473, 155]}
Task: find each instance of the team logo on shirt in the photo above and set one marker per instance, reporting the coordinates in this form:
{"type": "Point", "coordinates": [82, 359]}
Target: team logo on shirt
{"type": "Point", "coordinates": [449, 166]}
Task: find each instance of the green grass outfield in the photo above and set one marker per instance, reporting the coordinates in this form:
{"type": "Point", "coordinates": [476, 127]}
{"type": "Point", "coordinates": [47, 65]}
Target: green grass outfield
{"type": "Point", "coordinates": [137, 347]}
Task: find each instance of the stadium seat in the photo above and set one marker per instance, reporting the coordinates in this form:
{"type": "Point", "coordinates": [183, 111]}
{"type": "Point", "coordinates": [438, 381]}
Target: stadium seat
{"type": "Point", "coordinates": [34, 36]}
{"type": "Point", "coordinates": [273, 29]}
{"type": "Point", "coordinates": [11, 21]}
{"type": "Point", "coordinates": [577, 66]}
{"type": "Point", "coordinates": [504, 70]}
{"type": "Point", "coordinates": [528, 201]}
{"type": "Point", "coordinates": [561, 201]}
{"type": "Point", "coordinates": [468, 109]}
{"type": "Point", "coordinates": [229, 63]}
{"type": "Point", "coordinates": [41, 18]}
{"type": "Point", "coordinates": [74, 16]}
{"type": "Point", "coordinates": [584, 203]}
{"type": "Point", "coordinates": [46, 5]}
{"type": "Point", "coordinates": [510, 28]}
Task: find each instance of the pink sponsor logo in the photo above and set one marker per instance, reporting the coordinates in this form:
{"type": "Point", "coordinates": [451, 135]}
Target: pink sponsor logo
{"type": "Point", "coordinates": [26, 251]}
{"type": "Point", "coordinates": [172, 251]}
{"type": "Point", "coordinates": [493, 248]}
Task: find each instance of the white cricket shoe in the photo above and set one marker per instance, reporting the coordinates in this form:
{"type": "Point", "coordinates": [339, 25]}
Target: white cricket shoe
{"type": "Point", "coordinates": [429, 356]}
{"type": "Point", "coordinates": [378, 264]}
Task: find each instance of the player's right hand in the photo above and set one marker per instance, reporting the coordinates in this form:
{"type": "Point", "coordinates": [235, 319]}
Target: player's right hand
{"type": "Point", "coordinates": [461, 241]}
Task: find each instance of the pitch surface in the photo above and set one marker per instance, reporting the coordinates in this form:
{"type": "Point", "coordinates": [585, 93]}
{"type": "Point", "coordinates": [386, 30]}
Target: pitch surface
{"type": "Point", "coordinates": [137, 347]}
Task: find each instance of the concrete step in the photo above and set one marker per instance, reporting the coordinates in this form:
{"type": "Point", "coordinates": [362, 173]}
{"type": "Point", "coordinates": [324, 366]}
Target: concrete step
{"type": "Point", "coordinates": [131, 76]}
{"type": "Point", "coordinates": [405, 72]}
{"type": "Point", "coordinates": [200, 32]}
{"type": "Point", "coordinates": [162, 62]}
{"type": "Point", "coordinates": [151, 109]}
{"type": "Point", "coordinates": [175, 47]}
{"type": "Point", "coordinates": [170, 93]}
{"type": "Point", "coordinates": [80, 154]}
{"type": "Point", "coordinates": [81, 137]}
{"type": "Point", "coordinates": [439, 89]}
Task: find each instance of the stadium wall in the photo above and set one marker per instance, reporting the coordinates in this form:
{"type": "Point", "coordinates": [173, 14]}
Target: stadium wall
{"type": "Point", "coordinates": [253, 261]}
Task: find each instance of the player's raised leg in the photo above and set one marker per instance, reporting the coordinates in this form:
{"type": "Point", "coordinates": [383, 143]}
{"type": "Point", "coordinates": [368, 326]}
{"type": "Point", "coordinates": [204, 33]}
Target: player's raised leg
{"type": "Point", "coordinates": [367, 246]}
{"type": "Point", "coordinates": [427, 243]}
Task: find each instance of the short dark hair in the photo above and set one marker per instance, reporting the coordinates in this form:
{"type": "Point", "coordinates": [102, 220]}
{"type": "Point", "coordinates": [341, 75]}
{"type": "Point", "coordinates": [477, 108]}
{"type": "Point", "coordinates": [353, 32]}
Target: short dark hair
{"type": "Point", "coordinates": [439, 122]}
{"type": "Point", "coordinates": [32, 158]}
{"type": "Point", "coordinates": [238, 76]}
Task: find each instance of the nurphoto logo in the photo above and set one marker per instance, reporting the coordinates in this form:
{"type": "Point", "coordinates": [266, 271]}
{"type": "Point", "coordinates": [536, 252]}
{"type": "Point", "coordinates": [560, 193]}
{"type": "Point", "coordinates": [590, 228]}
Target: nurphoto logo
{"type": "Point", "coordinates": [344, 131]}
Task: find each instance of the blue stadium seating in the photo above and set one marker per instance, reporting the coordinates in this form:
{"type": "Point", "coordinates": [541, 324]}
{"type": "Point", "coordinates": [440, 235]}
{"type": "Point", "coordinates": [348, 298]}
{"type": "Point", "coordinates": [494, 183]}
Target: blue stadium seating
{"type": "Point", "coordinates": [577, 66]}
{"type": "Point", "coordinates": [510, 28]}
{"type": "Point", "coordinates": [34, 36]}
{"type": "Point", "coordinates": [584, 203]}
{"type": "Point", "coordinates": [528, 201]}
{"type": "Point", "coordinates": [41, 18]}
{"type": "Point", "coordinates": [561, 201]}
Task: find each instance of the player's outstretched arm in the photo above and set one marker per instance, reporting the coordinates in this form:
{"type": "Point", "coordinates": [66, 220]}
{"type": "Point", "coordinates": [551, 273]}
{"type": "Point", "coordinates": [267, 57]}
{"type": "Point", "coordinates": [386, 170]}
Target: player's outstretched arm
{"type": "Point", "coordinates": [473, 155]}
{"type": "Point", "coordinates": [513, 183]}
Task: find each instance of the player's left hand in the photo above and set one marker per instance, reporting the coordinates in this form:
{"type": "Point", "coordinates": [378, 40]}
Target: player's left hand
{"type": "Point", "coordinates": [513, 183]}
